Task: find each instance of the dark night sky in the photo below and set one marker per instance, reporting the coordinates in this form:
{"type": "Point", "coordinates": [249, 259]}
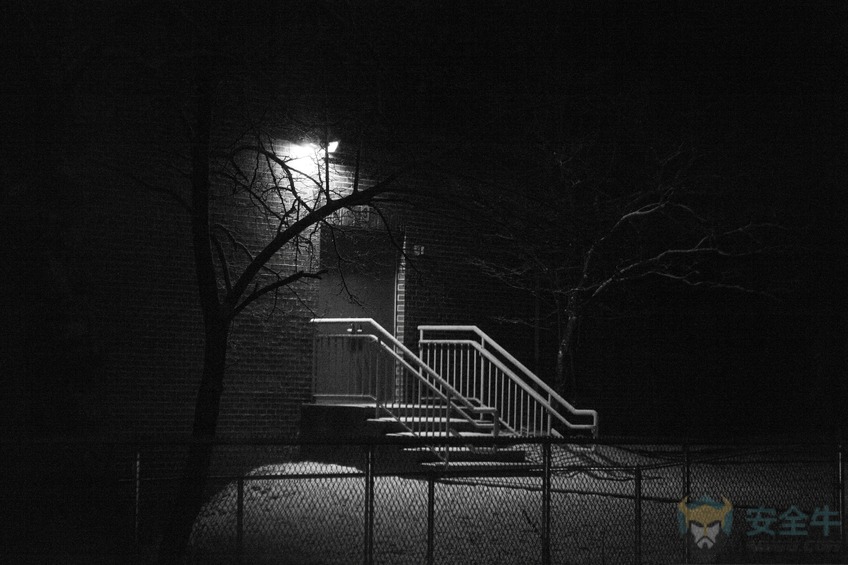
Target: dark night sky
{"type": "Point", "coordinates": [760, 62]}
{"type": "Point", "coordinates": [769, 69]}
{"type": "Point", "coordinates": [763, 81]}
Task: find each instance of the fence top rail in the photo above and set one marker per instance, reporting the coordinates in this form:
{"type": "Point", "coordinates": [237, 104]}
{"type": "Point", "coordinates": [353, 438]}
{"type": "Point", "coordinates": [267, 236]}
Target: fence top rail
{"type": "Point", "coordinates": [741, 444]}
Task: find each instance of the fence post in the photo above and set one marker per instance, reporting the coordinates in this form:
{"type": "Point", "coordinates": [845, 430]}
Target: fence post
{"type": "Point", "coordinates": [687, 491]}
{"type": "Point", "coordinates": [137, 494]}
{"type": "Point", "coordinates": [840, 469]}
{"type": "Point", "coordinates": [546, 502]}
{"type": "Point", "coordinates": [369, 505]}
{"type": "Point", "coordinates": [240, 519]}
{"type": "Point", "coordinates": [637, 531]}
{"type": "Point", "coordinates": [431, 516]}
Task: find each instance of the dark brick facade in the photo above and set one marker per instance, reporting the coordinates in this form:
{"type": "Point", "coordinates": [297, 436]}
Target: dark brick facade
{"type": "Point", "coordinates": [128, 271]}
{"type": "Point", "coordinates": [103, 326]}
{"type": "Point", "coordinates": [444, 286]}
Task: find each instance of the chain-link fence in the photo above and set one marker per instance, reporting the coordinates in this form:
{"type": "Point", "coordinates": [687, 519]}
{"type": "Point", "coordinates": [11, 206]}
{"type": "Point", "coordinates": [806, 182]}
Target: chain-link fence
{"type": "Point", "coordinates": [519, 501]}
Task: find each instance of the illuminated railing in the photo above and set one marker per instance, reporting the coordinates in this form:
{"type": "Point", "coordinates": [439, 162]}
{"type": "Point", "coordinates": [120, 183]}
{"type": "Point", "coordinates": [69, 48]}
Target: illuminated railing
{"type": "Point", "coordinates": [355, 359]}
{"type": "Point", "coordinates": [486, 374]}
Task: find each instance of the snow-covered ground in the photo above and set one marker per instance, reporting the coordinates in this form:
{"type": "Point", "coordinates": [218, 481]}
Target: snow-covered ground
{"type": "Point", "coordinates": [314, 513]}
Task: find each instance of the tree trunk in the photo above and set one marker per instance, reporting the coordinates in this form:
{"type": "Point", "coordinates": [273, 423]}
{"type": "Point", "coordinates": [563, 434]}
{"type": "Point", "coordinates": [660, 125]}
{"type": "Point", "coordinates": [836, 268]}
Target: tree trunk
{"type": "Point", "coordinates": [189, 498]}
{"type": "Point", "coordinates": [566, 379]}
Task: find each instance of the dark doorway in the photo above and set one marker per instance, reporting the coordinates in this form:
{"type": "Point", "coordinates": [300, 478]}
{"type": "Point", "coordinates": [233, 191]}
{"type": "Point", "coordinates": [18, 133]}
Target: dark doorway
{"type": "Point", "coordinates": [360, 280]}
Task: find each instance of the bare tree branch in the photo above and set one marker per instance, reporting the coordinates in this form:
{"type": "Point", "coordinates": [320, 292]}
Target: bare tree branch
{"type": "Point", "coordinates": [225, 267]}
{"type": "Point", "coordinates": [233, 241]}
{"type": "Point", "coordinates": [314, 216]}
{"type": "Point", "coordinates": [261, 291]}
{"type": "Point", "coordinates": [154, 188]}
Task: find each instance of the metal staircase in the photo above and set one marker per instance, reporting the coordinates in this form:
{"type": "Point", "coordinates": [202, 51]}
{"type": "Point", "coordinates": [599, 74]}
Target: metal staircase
{"type": "Point", "coordinates": [461, 384]}
{"type": "Point", "coordinates": [485, 372]}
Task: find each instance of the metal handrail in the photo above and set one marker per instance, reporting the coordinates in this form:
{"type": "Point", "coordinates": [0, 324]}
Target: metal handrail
{"type": "Point", "coordinates": [434, 382]}
{"type": "Point", "coordinates": [546, 404]}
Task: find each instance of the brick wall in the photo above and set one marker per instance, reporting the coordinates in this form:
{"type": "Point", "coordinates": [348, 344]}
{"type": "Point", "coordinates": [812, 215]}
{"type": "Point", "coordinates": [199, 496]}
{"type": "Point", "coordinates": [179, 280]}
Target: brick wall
{"type": "Point", "coordinates": [125, 288]}
{"type": "Point", "coordinates": [105, 326]}
{"type": "Point", "coordinates": [146, 312]}
{"type": "Point", "coordinates": [110, 336]}
{"type": "Point", "coordinates": [442, 285]}
{"type": "Point", "coordinates": [132, 271]}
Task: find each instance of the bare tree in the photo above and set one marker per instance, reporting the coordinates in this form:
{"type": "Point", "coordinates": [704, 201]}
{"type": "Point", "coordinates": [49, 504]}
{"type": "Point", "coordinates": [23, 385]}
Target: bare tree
{"type": "Point", "coordinates": [586, 224]}
{"type": "Point", "coordinates": [231, 276]}
{"type": "Point", "coordinates": [229, 112]}
{"type": "Point", "coordinates": [251, 168]}
{"type": "Point", "coordinates": [294, 194]}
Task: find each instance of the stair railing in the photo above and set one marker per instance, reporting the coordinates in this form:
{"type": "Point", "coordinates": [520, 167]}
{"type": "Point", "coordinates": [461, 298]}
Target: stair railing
{"type": "Point", "coordinates": [486, 373]}
{"type": "Point", "coordinates": [364, 361]}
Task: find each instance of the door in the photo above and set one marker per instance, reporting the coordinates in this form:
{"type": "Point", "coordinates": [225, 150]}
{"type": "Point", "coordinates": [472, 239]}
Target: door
{"type": "Point", "coordinates": [360, 279]}
{"type": "Point", "coordinates": [360, 282]}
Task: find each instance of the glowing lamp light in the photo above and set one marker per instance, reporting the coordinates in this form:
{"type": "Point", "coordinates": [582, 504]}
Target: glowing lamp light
{"type": "Point", "coordinates": [302, 151]}
{"type": "Point", "coordinates": [311, 150]}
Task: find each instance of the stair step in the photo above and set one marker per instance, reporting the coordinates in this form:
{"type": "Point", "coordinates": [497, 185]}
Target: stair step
{"type": "Point", "coordinates": [433, 420]}
{"type": "Point", "coordinates": [427, 411]}
{"type": "Point", "coordinates": [439, 434]}
{"type": "Point", "coordinates": [418, 420]}
{"type": "Point", "coordinates": [418, 424]}
{"type": "Point", "coordinates": [344, 399]}
{"type": "Point", "coordinates": [468, 455]}
{"type": "Point", "coordinates": [421, 406]}
{"type": "Point", "coordinates": [391, 424]}
{"type": "Point", "coordinates": [415, 406]}
{"type": "Point", "coordinates": [475, 465]}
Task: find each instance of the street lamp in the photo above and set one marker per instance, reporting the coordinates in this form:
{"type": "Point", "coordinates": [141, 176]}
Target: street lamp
{"type": "Point", "coordinates": [311, 150]}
